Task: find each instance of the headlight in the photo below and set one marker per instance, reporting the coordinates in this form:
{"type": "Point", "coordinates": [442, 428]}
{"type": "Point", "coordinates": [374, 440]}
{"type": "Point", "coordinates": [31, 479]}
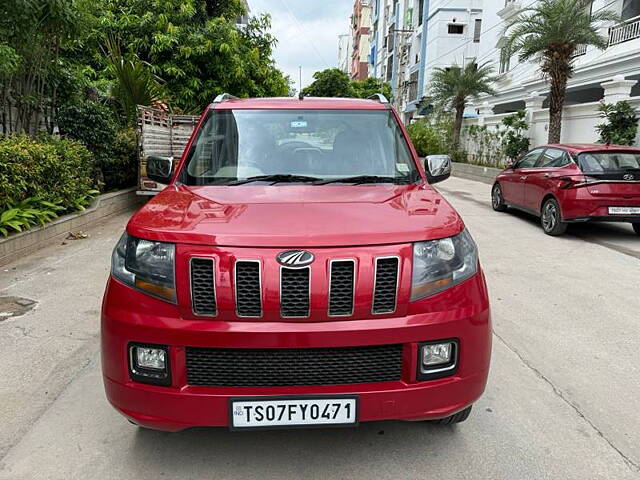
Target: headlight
{"type": "Point", "coordinates": [441, 264]}
{"type": "Point", "coordinates": [145, 265]}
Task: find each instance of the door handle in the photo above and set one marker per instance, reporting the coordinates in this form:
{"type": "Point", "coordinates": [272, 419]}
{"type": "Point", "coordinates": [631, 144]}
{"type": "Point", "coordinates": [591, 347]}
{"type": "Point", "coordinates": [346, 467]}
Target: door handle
{"type": "Point", "coordinates": [547, 175]}
{"type": "Point", "coordinates": [523, 177]}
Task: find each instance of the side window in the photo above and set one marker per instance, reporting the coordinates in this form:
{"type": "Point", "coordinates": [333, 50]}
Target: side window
{"type": "Point", "coordinates": [553, 158]}
{"type": "Point", "coordinates": [530, 159]}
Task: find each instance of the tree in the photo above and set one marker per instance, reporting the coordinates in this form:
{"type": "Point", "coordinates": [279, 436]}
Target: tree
{"type": "Point", "coordinates": [331, 82]}
{"type": "Point", "coordinates": [621, 126]}
{"type": "Point", "coordinates": [453, 87]}
{"type": "Point", "coordinates": [550, 32]}
{"type": "Point", "coordinates": [370, 86]}
{"type": "Point", "coordinates": [134, 83]}
{"type": "Point", "coordinates": [196, 48]}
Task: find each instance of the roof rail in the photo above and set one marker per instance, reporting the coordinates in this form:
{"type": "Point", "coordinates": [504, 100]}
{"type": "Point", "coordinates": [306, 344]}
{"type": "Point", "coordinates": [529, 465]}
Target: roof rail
{"type": "Point", "coordinates": [224, 96]}
{"type": "Point", "coordinates": [379, 97]}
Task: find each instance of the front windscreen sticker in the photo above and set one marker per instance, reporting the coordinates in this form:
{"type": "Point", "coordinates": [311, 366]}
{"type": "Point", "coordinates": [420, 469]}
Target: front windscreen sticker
{"type": "Point", "coordinates": [402, 167]}
{"type": "Point", "coordinates": [299, 124]}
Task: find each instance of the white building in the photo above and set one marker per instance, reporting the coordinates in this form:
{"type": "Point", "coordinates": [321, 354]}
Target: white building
{"type": "Point", "coordinates": [610, 75]}
{"type": "Point", "coordinates": [412, 37]}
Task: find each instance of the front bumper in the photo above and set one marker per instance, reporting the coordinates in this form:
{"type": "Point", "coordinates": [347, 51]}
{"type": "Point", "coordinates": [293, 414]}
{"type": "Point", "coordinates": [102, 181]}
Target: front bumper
{"type": "Point", "coordinates": [130, 316]}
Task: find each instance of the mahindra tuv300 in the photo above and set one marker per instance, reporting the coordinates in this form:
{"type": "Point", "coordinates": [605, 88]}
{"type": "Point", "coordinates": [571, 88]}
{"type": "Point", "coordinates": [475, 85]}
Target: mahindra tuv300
{"type": "Point", "coordinates": [298, 270]}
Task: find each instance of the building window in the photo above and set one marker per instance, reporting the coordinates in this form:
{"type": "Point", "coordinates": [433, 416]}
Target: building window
{"type": "Point", "coordinates": [420, 11]}
{"type": "Point", "coordinates": [505, 60]}
{"type": "Point", "coordinates": [413, 87]}
{"type": "Point", "coordinates": [630, 9]}
{"type": "Point", "coordinates": [456, 29]}
{"type": "Point", "coordinates": [390, 40]}
{"type": "Point", "coordinates": [477, 30]}
{"type": "Point", "coordinates": [389, 68]}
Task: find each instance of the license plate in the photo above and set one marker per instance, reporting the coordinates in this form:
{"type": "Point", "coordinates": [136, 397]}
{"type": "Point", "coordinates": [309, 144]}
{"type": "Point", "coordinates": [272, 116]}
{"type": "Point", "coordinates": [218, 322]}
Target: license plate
{"type": "Point", "coordinates": [273, 412]}
{"type": "Point", "coordinates": [624, 210]}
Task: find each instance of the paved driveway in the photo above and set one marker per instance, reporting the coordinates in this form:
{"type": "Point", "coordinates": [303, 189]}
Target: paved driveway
{"type": "Point", "coordinates": [562, 400]}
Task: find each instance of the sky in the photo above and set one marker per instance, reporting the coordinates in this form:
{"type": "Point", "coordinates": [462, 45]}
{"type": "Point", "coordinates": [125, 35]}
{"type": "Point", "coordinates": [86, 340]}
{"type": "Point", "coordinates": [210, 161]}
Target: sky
{"type": "Point", "coordinates": [307, 33]}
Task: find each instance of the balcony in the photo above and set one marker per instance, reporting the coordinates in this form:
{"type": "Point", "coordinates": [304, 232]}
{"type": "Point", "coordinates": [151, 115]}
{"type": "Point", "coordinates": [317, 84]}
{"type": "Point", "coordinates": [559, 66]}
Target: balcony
{"type": "Point", "coordinates": [580, 50]}
{"type": "Point", "coordinates": [624, 32]}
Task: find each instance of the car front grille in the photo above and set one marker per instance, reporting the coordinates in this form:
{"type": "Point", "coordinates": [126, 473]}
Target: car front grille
{"type": "Point", "coordinates": [341, 288]}
{"type": "Point", "coordinates": [386, 286]}
{"type": "Point", "coordinates": [336, 281]}
{"type": "Point", "coordinates": [248, 288]}
{"type": "Point", "coordinates": [295, 292]}
{"type": "Point", "coordinates": [220, 367]}
{"type": "Point", "coordinates": [203, 295]}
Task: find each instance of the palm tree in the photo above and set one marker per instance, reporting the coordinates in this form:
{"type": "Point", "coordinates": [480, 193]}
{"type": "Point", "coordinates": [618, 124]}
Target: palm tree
{"type": "Point", "coordinates": [550, 32]}
{"type": "Point", "coordinates": [453, 87]}
{"type": "Point", "coordinates": [134, 83]}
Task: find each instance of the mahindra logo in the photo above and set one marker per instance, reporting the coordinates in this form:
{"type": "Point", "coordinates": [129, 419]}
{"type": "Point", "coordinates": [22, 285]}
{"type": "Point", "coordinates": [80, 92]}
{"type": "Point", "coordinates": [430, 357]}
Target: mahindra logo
{"type": "Point", "coordinates": [628, 176]}
{"type": "Point", "coordinates": [295, 258]}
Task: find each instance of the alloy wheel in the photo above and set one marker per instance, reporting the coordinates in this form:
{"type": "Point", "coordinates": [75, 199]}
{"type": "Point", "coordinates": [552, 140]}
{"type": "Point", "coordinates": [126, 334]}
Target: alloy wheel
{"type": "Point", "coordinates": [549, 217]}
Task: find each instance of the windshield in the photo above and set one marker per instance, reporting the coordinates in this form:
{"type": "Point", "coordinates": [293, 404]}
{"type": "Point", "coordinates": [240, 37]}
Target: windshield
{"type": "Point", "coordinates": [603, 163]}
{"type": "Point", "coordinates": [298, 145]}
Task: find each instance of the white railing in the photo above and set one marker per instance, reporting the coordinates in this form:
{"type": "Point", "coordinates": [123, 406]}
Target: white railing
{"type": "Point", "coordinates": [624, 32]}
{"type": "Point", "coordinates": [580, 50]}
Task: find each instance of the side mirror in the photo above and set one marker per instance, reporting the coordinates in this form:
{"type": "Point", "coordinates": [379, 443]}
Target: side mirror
{"type": "Point", "coordinates": [160, 169]}
{"type": "Point", "coordinates": [510, 164]}
{"type": "Point", "coordinates": [437, 167]}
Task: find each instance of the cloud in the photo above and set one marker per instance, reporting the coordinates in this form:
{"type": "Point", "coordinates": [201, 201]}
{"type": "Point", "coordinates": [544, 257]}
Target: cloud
{"type": "Point", "coordinates": [307, 33]}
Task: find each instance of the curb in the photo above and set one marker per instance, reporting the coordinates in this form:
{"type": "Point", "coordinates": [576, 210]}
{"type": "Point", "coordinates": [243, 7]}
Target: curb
{"type": "Point", "coordinates": [475, 172]}
{"type": "Point", "coordinates": [20, 244]}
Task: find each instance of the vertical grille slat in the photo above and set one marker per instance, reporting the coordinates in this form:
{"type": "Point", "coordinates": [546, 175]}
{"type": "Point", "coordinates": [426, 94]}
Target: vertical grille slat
{"type": "Point", "coordinates": [203, 295]}
{"type": "Point", "coordinates": [248, 288]}
{"type": "Point", "coordinates": [341, 289]}
{"type": "Point", "coordinates": [386, 285]}
{"type": "Point", "coordinates": [295, 291]}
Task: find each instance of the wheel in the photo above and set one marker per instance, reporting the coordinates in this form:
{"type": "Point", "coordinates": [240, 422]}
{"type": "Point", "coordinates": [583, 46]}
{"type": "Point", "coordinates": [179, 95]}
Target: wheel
{"type": "Point", "coordinates": [636, 228]}
{"type": "Point", "coordinates": [459, 417]}
{"type": "Point", "coordinates": [497, 200]}
{"type": "Point", "coordinates": [551, 218]}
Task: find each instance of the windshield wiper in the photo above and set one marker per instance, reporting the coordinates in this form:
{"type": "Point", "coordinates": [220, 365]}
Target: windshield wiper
{"type": "Point", "coordinates": [359, 179]}
{"type": "Point", "coordinates": [276, 178]}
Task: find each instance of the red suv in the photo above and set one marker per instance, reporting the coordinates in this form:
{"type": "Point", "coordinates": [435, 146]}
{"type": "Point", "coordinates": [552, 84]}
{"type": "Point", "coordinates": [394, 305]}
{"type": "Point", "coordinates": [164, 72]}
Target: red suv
{"type": "Point", "coordinates": [298, 270]}
{"type": "Point", "coordinates": [573, 183]}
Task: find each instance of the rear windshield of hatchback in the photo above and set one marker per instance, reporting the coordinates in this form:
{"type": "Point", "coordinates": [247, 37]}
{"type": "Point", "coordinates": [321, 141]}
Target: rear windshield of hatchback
{"type": "Point", "coordinates": [608, 162]}
{"type": "Point", "coordinates": [234, 145]}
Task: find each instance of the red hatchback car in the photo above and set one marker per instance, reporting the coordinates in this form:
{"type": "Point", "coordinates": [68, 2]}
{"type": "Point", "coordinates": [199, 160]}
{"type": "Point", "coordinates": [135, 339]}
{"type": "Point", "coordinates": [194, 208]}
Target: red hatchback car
{"type": "Point", "coordinates": [299, 270]}
{"type": "Point", "coordinates": [573, 183]}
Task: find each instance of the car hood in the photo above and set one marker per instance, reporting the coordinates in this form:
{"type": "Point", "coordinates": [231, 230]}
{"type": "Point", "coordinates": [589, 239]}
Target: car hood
{"type": "Point", "coordinates": [296, 215]}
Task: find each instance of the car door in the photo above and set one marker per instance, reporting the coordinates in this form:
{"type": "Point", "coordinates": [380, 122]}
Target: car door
{"type": "Point", "coordinates": [512, 181]}
{"type": "Point", "coordinates": [540, 179]}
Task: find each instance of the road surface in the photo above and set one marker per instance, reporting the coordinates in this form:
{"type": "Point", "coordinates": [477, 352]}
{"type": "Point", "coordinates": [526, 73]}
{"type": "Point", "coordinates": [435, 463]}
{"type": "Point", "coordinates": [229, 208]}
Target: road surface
{"type": "Point", "coordinates": [562, 400]}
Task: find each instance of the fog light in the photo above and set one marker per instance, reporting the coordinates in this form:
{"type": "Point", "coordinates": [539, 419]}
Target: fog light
{"type": "Point", "coordinates": [149, 364]}
{"type": "Point", "coordinates": [437, 359]}
{"type": "Point", "coordinates": [436, 354]}
{"type": "Point", "coordinates": [152, 358]}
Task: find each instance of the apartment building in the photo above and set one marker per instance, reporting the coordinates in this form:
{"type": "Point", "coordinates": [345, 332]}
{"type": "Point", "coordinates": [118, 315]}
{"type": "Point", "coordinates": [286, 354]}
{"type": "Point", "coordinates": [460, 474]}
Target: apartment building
{"type": "Point", "coordinates": [610, 75]}
{"type": "Point", "coordinates": [360, 42]}
{"type": "Point", "coordinates": [412, 37]}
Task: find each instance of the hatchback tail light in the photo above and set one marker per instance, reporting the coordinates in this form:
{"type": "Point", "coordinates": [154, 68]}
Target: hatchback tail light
{"type": "Point", "coordinates": [567, 182]}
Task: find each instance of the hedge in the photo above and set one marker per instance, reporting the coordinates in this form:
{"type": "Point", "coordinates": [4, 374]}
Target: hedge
{"type": "Point", "coordinates": [47, 169]}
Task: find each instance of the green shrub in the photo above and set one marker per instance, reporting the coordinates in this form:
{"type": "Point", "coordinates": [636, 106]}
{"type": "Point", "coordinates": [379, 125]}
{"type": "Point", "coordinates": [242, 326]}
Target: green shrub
{"type": "Point", "coordinates": [49, 169]}
{"type": "Point", "coordinates": [621, 127]}
{"type": "Point", "coordinates": [515, 142]}
{"type": "Point", "coordinates": [115, 159]}
{"type": "Point", "coordinates": [120, 168]}
{"type": "Point", "coordinates": [425, 139]}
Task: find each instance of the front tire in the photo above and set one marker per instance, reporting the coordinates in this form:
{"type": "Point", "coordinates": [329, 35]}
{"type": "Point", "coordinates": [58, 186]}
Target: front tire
{"type": "Point", "coordinates": [636, 228]}
{"type": "Point", "coordinates": [459, 417]}
{"type": "Point", "coordinates": [497, 200]}
{"type": "Point", "coordinates": [551, 218]}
